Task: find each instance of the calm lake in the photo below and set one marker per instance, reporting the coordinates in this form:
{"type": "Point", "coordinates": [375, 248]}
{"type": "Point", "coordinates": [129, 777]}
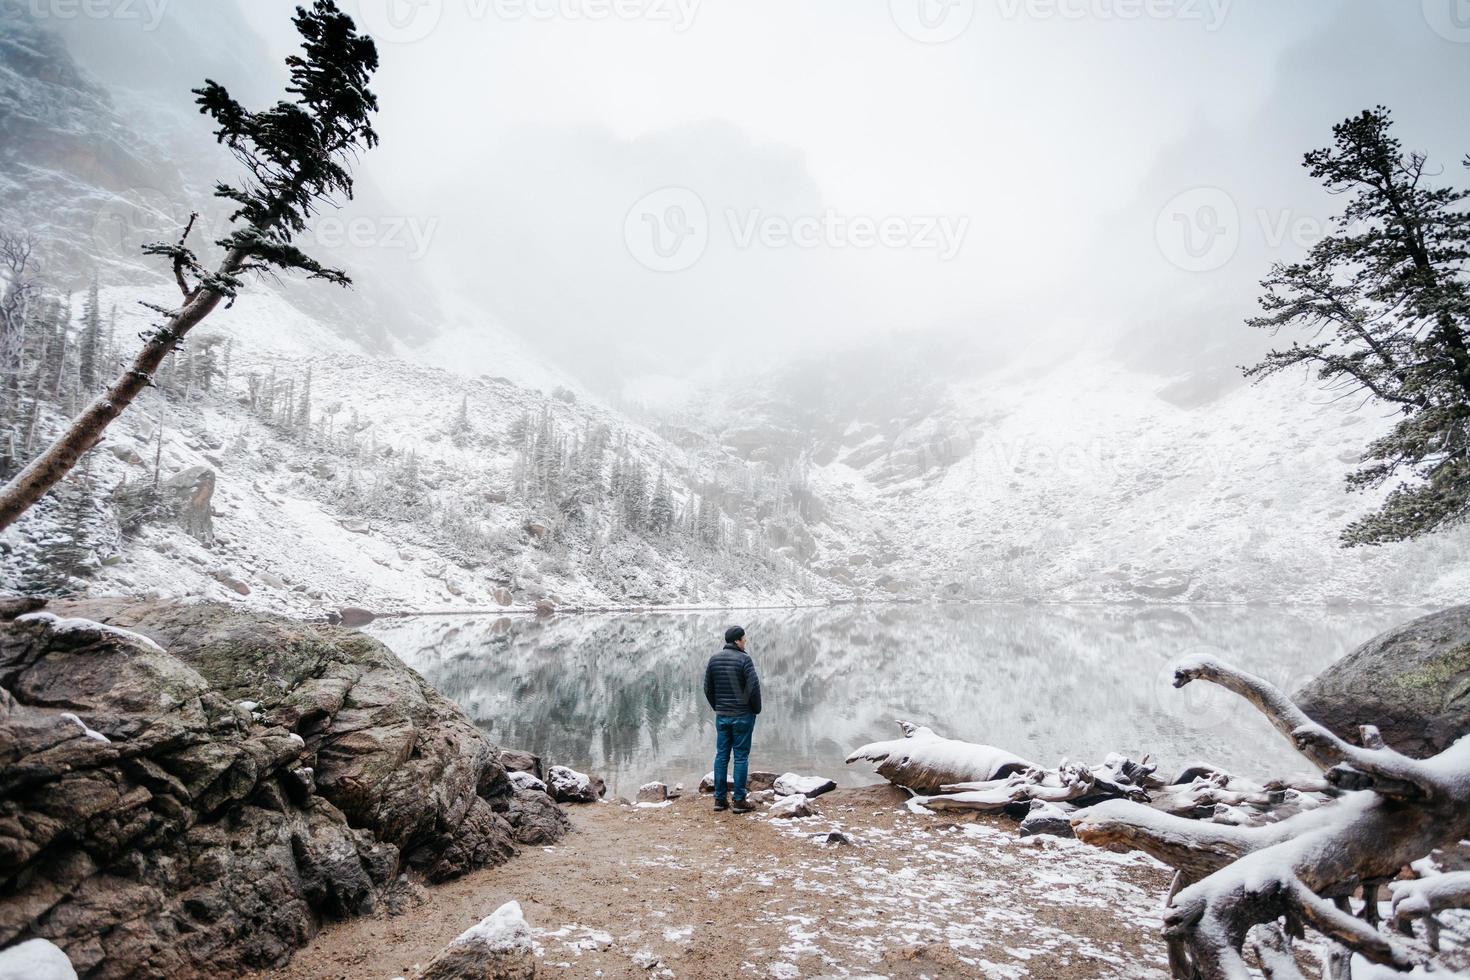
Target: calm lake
{"type": "Point", "coordinates": [620, 694]}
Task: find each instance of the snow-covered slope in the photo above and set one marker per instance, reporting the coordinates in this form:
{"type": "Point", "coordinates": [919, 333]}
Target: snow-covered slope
{"type": "Point", "coordinates": [1085, 479]}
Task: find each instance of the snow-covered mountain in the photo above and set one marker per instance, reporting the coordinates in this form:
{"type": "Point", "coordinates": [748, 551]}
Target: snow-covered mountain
{"type": "Point", "coordinates": [1073, 476]}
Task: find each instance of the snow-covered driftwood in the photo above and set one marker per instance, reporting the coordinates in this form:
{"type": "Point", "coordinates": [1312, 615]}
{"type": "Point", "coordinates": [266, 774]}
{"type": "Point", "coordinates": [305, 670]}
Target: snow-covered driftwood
{"type": "Point", "coordinates": [1300, 871]}
{"type": "Point", "coordinates": [925, 762]}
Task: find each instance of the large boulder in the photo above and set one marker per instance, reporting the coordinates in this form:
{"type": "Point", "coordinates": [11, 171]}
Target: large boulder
{"type": "Point", "coordinates": [1413, 682]}
{"type": "Point", "coordinates": [192, 790]}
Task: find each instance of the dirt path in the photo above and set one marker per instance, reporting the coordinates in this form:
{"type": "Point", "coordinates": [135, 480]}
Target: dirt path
{"type": "Point", "coordinates": [683, 891]}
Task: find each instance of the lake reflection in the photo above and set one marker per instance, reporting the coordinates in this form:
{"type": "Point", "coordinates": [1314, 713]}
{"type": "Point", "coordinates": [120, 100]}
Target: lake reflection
{"type": "Point", "coordinates": [620, 694]}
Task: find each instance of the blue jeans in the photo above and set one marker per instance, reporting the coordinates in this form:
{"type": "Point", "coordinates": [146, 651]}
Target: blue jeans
{"type": "Point", "coordinates": [732, 732]}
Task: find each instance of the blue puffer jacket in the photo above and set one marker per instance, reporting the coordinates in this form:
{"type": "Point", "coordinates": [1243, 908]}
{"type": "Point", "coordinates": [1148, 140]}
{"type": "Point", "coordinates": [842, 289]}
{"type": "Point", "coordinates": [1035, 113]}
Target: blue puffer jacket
{"type": "Point", "coordinates": [730, 683]}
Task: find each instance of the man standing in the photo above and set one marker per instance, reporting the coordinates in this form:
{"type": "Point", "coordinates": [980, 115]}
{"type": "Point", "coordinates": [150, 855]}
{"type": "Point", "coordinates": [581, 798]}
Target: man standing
{"type": "Point", "coordinates": [732, 688]}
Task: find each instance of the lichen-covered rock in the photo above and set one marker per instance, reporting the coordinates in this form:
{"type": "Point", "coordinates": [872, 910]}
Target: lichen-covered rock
{"type": "Point", "coordinates": [191, 790]}
{"type": "Point", "coordinates": [1413, 682]}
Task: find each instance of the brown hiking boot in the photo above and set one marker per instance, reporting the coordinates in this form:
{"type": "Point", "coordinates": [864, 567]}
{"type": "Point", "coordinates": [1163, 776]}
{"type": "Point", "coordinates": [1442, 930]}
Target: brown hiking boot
{"type": "Point", "coordinates": [742, 806]}
{"type": "Point", "coordinates": [721, 805]}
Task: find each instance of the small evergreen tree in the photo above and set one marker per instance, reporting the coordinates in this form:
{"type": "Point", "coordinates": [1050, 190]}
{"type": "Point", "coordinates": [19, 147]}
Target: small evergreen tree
{"type": "Point", "coordinates": [89, 345]}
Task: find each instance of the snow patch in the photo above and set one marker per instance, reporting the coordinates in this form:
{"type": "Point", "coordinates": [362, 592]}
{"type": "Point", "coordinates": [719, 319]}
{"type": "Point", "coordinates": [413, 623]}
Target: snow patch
{"type": "Point", "coordinates": [58, 624]}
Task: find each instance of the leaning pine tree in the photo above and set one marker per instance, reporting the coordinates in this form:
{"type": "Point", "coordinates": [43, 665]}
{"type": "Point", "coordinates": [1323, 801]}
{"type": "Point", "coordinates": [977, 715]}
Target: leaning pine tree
{"type": "Point", "coordinates": [1386, 302]}
{"type": "Point", "coordinates": [296, 154]}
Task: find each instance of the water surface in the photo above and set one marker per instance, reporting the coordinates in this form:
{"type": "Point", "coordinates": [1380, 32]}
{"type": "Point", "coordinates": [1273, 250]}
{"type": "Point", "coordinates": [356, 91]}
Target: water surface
{"type": "Point", "coordinates": [620, 694]}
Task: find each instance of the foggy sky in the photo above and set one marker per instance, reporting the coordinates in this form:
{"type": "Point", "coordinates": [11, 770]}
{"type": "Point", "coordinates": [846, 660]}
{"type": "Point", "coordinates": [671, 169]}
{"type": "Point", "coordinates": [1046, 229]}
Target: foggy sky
{"type": "Point", "coordinates": [1052, 138]}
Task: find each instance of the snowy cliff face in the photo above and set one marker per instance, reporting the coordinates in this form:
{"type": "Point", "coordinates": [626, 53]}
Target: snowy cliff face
{"type": "Point", "coordinates": [1087, 479]}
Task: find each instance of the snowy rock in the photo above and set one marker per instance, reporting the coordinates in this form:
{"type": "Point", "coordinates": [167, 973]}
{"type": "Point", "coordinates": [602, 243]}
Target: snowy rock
{"type": "Point", "coordinates": [271, 580]}
{"type": "Point", "coordinates": [1409, 682]}
{"type": "Point", "coordinates": [762, 797]}
{"type": "Point", "coordinates": [653, 793]}
{"type": "Point", "coordinates": [791, 784]}
{"type": "Point", "coordinates": [525, 780]}
{"type": "Point", "coordinates": [789, 807]}
{"type": "Point", "coordinates": [35, 959]}
{"type": "Point", "coordinates": [515, 760]}
{"type": "Point", "coordinates": [535, 818]}
{"type": "Point", "coordinates": [498, 947]}
{"type": "Point", "coordinates": [836, 837]}
{"type": "Point", "coordinates": [1046, 818]}
{"type": "Point", "coordinates": [503, 596]}
{"type": "Point", "coordinates": [545, 607]}
{"type": "Point", "coordinates": [570, 786]}
{"type": "Point", "coordinates": [231, 581]}
{"type": "Point", "coordinates": [127, 454]}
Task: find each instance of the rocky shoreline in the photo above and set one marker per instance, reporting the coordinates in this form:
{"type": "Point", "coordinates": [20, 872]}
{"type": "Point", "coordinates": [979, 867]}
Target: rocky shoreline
{"type": "Point", "coordinates": [194, 790]}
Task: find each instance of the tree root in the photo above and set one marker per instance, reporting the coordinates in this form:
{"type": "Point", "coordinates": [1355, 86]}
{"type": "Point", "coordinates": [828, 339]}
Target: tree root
{"type": "Point", "coordinates": [1299, 872]}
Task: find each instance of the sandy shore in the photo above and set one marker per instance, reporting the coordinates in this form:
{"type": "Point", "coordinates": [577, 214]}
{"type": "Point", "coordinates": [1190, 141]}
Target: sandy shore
{"type": "Point", "coordinates": [683, 891]}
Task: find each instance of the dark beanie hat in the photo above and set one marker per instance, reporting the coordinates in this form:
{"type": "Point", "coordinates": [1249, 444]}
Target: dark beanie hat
{"type": "Point", "coordinates": [734, 633]}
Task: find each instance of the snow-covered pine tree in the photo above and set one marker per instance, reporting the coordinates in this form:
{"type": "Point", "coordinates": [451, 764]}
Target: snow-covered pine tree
{"type": "Point", "coordinates": [1385, 299]}
{"type": "Point", "coordinates": [460, 429]}
{"type": "Point", "coordinates": [661, 507]}
{"type": "Point", "coordinates": [89, 344]}
{"type": "Point", "coordinates": [301, 422]}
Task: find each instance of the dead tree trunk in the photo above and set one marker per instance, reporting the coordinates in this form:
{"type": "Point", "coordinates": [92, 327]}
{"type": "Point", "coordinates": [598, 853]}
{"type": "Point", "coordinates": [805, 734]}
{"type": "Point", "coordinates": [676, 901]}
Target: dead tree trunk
{"type": "Point", "coordinates": [1395, 810]}
{"type": "Point", "coordinates": [85, 431]}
